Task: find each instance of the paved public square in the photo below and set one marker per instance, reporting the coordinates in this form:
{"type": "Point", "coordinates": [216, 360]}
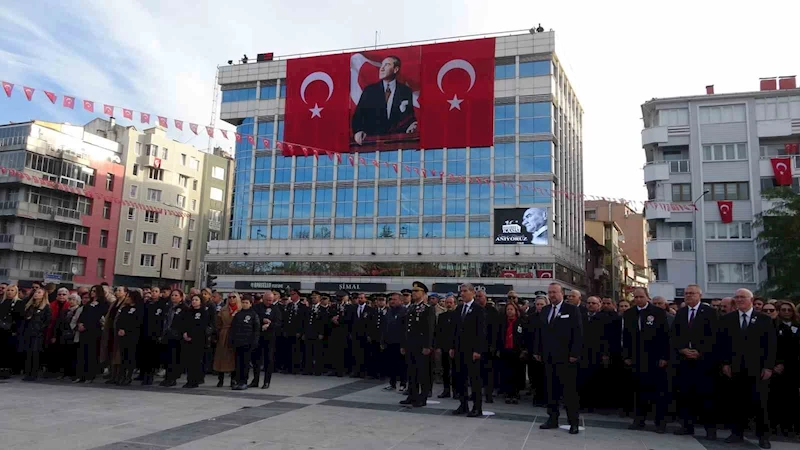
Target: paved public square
{"type": "Point", "coordinates": [297, 412]}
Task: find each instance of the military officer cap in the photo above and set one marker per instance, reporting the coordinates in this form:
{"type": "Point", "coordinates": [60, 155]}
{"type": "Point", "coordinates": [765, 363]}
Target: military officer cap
{"type": "Point", "coordinates": [292, 291]}
{"type": "Point", "coordinates": [341, 294]}
{"type": "Point", "coordinates": [420, 285]}
{"type": "Point", "coordinates": [405, 291]}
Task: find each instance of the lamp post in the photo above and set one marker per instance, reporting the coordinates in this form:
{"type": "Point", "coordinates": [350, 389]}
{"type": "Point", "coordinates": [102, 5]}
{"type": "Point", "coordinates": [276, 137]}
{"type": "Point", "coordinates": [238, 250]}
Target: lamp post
{"type": "Point", "coordinates": [694, 229]}
{"type": "Point", "coordinates": [161, 268]}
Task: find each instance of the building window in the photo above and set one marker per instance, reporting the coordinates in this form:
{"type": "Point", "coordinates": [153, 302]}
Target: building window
{"type": "Point", "coordinates": [183, 180]}
{"type": "Point", "coordinates": [304, 169]}
{"type": "Point", "coordinates": [323, 203]}
{"type": "Point", "coordinates": [180, 222]}
{"type": "Point", "coordinates": [238, 95]}
{"type": "Point", "coordinates": [134, 190]}
{"type": "Point", "coordinates": [343, 231]}
{"type": "Point", "coordinates": [155, 174]}
{"type": "Point", "coordinates": [301, 232]}
{"type": "Point", "coordinates": [147, 260]}
{"type": "Point", "coordinates": [218, 173]}
{"type": "Point", "coordinates": [280, 204]}
{"type": "Point", "coordinates": [138, 149]}
{"type": "Point", "coordinates": [479, 198]}
{"type": "Point", "coordinates": [176, 242]}
{"type": "Point", "coordinates": [409, 230]}
{"type": "Point", "coordinates": [431, 230]}
{"type": "Point", "coordinates": [730, 273]}
{"type": "Point", "coordinates": [504, 159]}
{"type": "Point", "coordinates": [302, 203]}
{"type": "Point", "coordinates": [282, 93]}
{"type": "Point", "coordinates": [722, 114]}
{"type": "Point", "coordinates": [151, 216]}
{"type": "Point", "coordinates": [154, 195]}
{"type": "Point", "coordinates": [725, 152]}
{"type": "Point", "coordinates": [733, 230]}
{"type": "Point", "coordinates": [432, 200]}
{"type": "Point", "coordinates": [778, 108]}
{"type": "Point", "coordinates": [366, 171]}
{"type": "Point", "coordinates": [135, 170]}
{"type": "Point", "coordinates": [364, 202]}
{"type": "Point", "coordinates": [283, 169]}
{"type": "Point", "coordinates": [388, 164]}
{"type": "Point", "coordinates": [129, 236]}
{"type": "Point", "coordinates": [194, 163]}
{"type": "Point", "coordinates": [386, 231]}
{"type": "Point", "coordinates": [191, 224]}
{"type": "Point", "coordinates": [126, 258]}
{"type": "Point", "coordinates": [457, 161]}
{"type": "Point", "coordinates": [131, 213]}
{"type": "Point", "coordinates": [479, 229]}
{"type": "Point", "coordinates": [180, 200]}
{"type": "Point", "coordinates": [411, 159]}
{"type": "Point", "coordinates": [505, 194]}
{"type": "Point", "coordinates": [188, 265]}
{"type": "Point", "coordinates": [260, 206]}
{"type": "Point", "coordinates": [101, 268]}
{"type": "Point", "coordinates": [344, 202]}
{"type": "Point", "coordinates": [344, 171]}
{"type": "Point", "coordinates": [106, 210]}
{"type": "Point", "coordinates": [103, 238]}
{"type": "Point", "coordinates": [213, 236]}
{"type": "Point", "coordinates": [109, 182]}
{"type": "Point", "coordinates": [535, 117]}
{"type": "Point", "coordinates": [768, 183]}
{"type": "Point", "coordinates": [263, 170]}
{"type": "Point", "coordinates": [409, 200]}
{"type": "Point", "coordinates": [535, 192]}
{"type": "Point", "coordinates": [149, 237]}
{"type": "Point", "coordinates": [504, 117]}
{"type": "Point", "coordinates": [455, 201]}
{"type": "Point", "coordinates": [322, 232]}
{"type": "Point", "coordinates": [673, 117]}
{"type": "Point", "coordinates": [535, 157]}
{"type": "Point", "coordinates": [534, 68]}
{"type": "Point", "coordinates": [280, 232]}
{"type": "Point", "coordinates": [387, 201]}
{"type": "Point", "coordinates": [151, 150]}
{"type": "Point", "coordinates": [454, 229]}
{"type": "Point", "coordinates": [194, 185]}
{"type": "Point", "coordinates": [174, 263]}
{"type": "Point", "coordinates": [324, 170]}
{"type": "Point", "coordinates": [258, 232]}
{"type": "Point", "coordinates": [726, 191]}
{"type": "Point", "coordinates": [194, 205]}
{"type": "Point", "coordinates": [183, 159]}
{"type": "Point", "coordinates": [364, 230]}
{"type": "Point", "coordinates": [682, 192]}
{"type": "Point", "coordinates": [504, 71]}
{"type": "Point", "coordinates": [434, 160]}
{"type": "Point", "coordinates": [188, 244]}
{"type": "Point", "coordinates": [479, 161]}
{"type": "Point", "coordinates": [268, 92]}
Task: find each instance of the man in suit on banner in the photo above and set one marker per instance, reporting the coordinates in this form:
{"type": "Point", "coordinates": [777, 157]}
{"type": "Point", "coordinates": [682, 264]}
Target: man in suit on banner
{"type": "Point", "coordinates": [385, 107]}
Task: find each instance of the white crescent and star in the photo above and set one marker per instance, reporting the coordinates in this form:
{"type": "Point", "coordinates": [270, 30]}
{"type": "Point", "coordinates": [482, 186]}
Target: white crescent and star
{"type": "Point", "coordinates": [724, 208]}
{"type": "Point", "coordinates": [312, 77]}
{"type": "Point", "coordinates": [781, 167]}
{"type": "Point", "coordinates": [455, 102]}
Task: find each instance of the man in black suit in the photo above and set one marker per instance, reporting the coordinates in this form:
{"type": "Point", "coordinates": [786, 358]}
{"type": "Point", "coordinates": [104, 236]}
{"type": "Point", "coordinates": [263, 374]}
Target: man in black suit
{"type": "Point", "coordinates": [595, 361]}
{"type": "Point", "coordinates": [418, 347]}
{"type": "Point", "coordinates": [362, 315]}
{"type": "Point", "coordinates": [469, 343]}
{"type": "Point", "coordinates": [493, 323]}
{"type": "Point", "coordinates": [646, 351]}
{"type": "Point", "coordinates": [444, 342]}
{"type": "Point", "coordinates": [748, 344]}
{"type": "Point", "coordinates": [271, 320]}
{"type": "Point", "coordinates": [558, 343]}
{"type": "Point", "coordinates": [694, 333]}
{"type": "Point", "coordinates": [385, 107]}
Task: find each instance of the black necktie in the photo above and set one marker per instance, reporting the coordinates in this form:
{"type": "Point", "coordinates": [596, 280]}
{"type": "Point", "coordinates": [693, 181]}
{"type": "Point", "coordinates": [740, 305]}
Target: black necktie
{"type": "Point", "coordinates": [744, 322]}
{"type": "Point", "coordinates": [552, 314]}
{"type": "Point", "coordinates": [464, 311]}
{"type": "Point", "coordinates": [691, 317]}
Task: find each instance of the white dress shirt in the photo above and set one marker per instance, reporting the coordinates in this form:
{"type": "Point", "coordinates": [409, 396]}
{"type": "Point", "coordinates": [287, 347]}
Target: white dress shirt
{"type": "Point", "coordinates": [392, 85]}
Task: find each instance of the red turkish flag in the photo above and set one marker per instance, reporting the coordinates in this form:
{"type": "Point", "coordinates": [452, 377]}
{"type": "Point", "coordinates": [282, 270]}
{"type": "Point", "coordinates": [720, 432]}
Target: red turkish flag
{"type": "Point", "coordinates": [317, 102]}
{"type": "Point", "coordinates": [782, 168]}
{"type": "Point", "coordinates": [51, 96]}
{"type": "Point", "coordinates": [251, 140]}
{"type": "Point", "coordinates": [725, 210]}
{"type": "Point", "coordinates": [224, 133]}
{"type": "Point", "coordinates": [210, 131]}
{"type": "Point", "coordinates": [265, 141]}
{"type": "Point", "coordinates": [108, 110]}
{"type": "Point", "coordinates": [544, 273]}
{"type": "Point", "coordinates": [127, 113]}
{"type": "Point", "coordinates": [179, 124]}
{"type": "Point", "coordinates": [69, 102]}
{"type": "Point", "coordinates": [88, 105]}
{"type": "Point", "coordinates": [790, 149]}
{"type": "Point", "coordinates": [162, 121]}
{"type": "Point", "coordinates": [238, 137]}
{"type": "Point", "coordinates": [8, 87]}
{"type": "Point", "coordinates": [193, 127]}
{"type": "Point", "coordinates": [28, 92]}
{"type": "Point", "coordinates": [457, 94]}
{"type": "Point", "coordinates": [145, 117]}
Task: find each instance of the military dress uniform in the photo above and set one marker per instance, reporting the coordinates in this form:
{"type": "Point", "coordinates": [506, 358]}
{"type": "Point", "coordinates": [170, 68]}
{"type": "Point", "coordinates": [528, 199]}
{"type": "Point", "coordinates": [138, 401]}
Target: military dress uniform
{"type": "Point", "coordinates": [377, 326]}
{"type": "Point", "coordinates": [313, 335]}
{"type": "Point", "coordinates": [421, 321]}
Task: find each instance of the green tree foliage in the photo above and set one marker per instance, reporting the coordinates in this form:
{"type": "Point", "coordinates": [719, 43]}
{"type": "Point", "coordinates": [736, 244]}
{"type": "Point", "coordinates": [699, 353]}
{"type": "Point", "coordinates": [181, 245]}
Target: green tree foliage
{"type": "Point", "coordinates": [779, 238]}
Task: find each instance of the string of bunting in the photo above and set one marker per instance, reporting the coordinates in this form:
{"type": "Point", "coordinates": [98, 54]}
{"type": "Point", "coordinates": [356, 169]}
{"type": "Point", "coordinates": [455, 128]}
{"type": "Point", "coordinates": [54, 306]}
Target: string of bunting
{"type": "Point", "coordinates": [287, 148]}
{"type": "Point", "coordinates": [90, 193]}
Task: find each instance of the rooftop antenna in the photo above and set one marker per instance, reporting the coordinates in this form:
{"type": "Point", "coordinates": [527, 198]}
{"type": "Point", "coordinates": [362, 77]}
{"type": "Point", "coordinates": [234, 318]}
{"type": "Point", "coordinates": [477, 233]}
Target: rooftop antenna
{"type": "Point", "coordinates": [377, 35]}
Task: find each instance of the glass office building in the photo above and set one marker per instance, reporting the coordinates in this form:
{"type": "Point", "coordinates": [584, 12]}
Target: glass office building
{"type": "Point", "coordinates": [321, 221]}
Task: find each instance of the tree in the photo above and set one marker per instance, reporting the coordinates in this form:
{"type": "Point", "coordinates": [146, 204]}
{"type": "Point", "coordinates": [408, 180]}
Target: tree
{"type": "Point", "coordinates": [779, 237]}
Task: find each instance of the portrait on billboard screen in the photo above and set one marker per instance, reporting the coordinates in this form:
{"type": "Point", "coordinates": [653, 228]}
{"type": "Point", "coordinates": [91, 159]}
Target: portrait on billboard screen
{"type": "Point", "coordinates": [521, 226]}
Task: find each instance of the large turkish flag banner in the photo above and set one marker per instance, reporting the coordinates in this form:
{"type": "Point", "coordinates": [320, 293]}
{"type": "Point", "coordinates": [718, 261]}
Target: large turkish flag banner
{"type": "Point", "coordinates": [317, 103]}
{"type": "Point", "coordinates": [457, 94]}
{"type": "Point", "coordinates": [782, 168]}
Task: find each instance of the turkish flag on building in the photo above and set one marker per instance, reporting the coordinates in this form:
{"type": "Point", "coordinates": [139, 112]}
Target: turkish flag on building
{"type": "Point", "coordinates": [725, 210]}
{"type": "Point", "coordinates": [544, 273]}
{"type": "Point", "coordinates": [782, 168]}
{"type": "Point", "coordinates": [457, 99]}
{"type": "Point", "coordinates": [791, 149]}
{"type": "Point", "coordinates": [317, 102]}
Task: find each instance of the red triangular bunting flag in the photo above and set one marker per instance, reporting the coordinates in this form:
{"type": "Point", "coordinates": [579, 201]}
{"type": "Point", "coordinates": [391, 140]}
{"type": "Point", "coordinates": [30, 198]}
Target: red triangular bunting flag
{"type": "Point", "coordinates": [238, 137]}
{"type": "Point", "coordinates": [108, 110]}
{"type": "Point", "coordinates": [178, 124]}
{"type": "Point", "coordinates": [127, 113]}
{"type": "Point", "coordinates": [28, 92]}
{"type": "Point", "coordinates": [251, 140]}
{"type": "Point", "coordinates": [352, 160]}
{"type": "Point", "coordinates": [376, 163]}
{"type": "Point", "coordinates": [224, 133]}
{"type": "Point", "coordinates": [408, 169]}
{"type": "Point", "coordinates": [210, 131]}
{"type": "Point", "coordinates": [8, 87]}
{"type": "Point", "coordinates": [265, 141]}
{"type": "Point", "coordinates": [394, 166]}
{"type": "Point", "coordinates": [162, 121]}
{"type": "Point", "coordinates": [330, 154]}
{"type": "Point", "coordinates": [88, 105]}
{"type": "Point", "coordinates": [193, 127]}
{"type": "Point", "coordinates": [51, 96]}
{"type": "Point", "coordinates": [339, 158]}
{"type": "Point", "coordinates": [315, 152]}
{"type": "Point", "coordinates": [145, 117]}
{"type": "Point", "coordinates": [305, 151]}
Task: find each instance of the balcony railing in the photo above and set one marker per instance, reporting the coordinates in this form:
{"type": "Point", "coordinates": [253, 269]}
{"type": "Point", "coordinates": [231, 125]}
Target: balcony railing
{"type": "Point", "coordinates": [6, 238]}
{"type": "Point", "coordinates": [9, 204]}
{"type": "Point", "coordinates": [683, 245]}
{"type": "Point", "coordinates": [68, 213]}
{"type": "Point", "coordinates": [41, 242]}
{"type": "Point", "coordinates": [679, 166]}
{"type": "Point", "coordinates": [45, 209]}
{"type": "Point", "coordinates": [65, 244]}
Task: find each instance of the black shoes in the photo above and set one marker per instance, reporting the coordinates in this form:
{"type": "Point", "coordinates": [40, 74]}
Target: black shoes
{"type": "Point", "coordinates": [734, 439]}
{"type": "Point", "coordinates": [389, 388]}
{"type": "Point", "coordinates": [489, 399]}
{"type": "Point", "coordinates": [265, 385]}
{"type": "Point", "coordinates": [636, 425]}
{"type": "Point", "coordinates": [764, 443]}
{"type": "Point", "coordinates": [444, 394]}
{"type": "Point", "coordinates": [683, 431]}
{"type": "Point", "coordinates": [239, 387]}
{"type": "Point", "coordinates": [573, 429]}
{"type": "Point", "coordinates": [190, 385]}
{"type": "Point", "coordinates": [168, 383]}
{"type": "Point", "coordinates": [475, 413]}
{"type": "Point", "coordinates": [460, 410]}
{"type": "Point", "coordinates": [661, 428]}
{"type": "Point", "coordinates": [420, 404]}
{"type": "Point", "coordinates": [254, 383]}
{"type": "Point", "coordinates": [549, 425]}
{"type": "Point", "coordinates": [407, 401]}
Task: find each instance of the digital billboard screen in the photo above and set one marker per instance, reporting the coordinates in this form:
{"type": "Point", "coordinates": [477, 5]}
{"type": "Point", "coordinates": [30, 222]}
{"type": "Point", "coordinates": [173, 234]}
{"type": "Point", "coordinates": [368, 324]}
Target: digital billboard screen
{"type": "Point", "coordinates": [521, 226]}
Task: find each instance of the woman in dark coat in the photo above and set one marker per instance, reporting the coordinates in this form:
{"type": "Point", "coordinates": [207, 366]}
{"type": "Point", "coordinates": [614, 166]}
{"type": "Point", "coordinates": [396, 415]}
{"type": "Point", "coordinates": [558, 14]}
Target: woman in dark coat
{"type": "Point", "coordinates": [512, 349]}
{"type": "Point", "coordinates": [196, 326]}
{"type": "Point", "coordinates": [89, 330]}
{"type": "Point", "coordinates": [245, 330]}
{"type": "Point", "coordinates": [784, 397]}
{"type": "Point", "coordinates": [64, 336]}
{"type": "Point", "coordinates": [128, 328]}
{"type": "Point", "coordinates": [11, 309]}
{"type": "Point", "coordinates": [35, 320]}
{"type": "Point", "coordinates": [109, 349]}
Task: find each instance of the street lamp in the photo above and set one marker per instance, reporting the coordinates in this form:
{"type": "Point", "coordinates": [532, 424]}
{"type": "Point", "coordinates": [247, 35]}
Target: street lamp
{"type": "Point", "coordinates": [161, 268]}
{"type": "Point", "coordinates": [696, 244]}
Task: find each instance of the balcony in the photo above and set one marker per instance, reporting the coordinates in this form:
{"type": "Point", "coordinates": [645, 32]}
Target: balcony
{"type": "Point", "coordinates": [679, 166]}
{"type": "Point", "coordinates": [662, 289]}
{"type": "Point", "coordinates": [8, 204]}
{"type": "Point", "coordinates": [64, 244]}
{"type": "Point", "coordinates": [652, 212]}
{"type": "Point", "coordinates": [654, 135]}
{"type": "Point", "coordinates": [215, 225]}
{"type": "Point", "coordinates": [656, 171]}
{"type": "Point", "coordinates": [683, 245]}
{"type": "Point", "coordinates": [765, 164]}
{"type": "Point", "coordinates": [68, 213]}
{"type": "Point", "coordinates": [41, 242]}
{"type": "Point", "coordinates": [660, 249]}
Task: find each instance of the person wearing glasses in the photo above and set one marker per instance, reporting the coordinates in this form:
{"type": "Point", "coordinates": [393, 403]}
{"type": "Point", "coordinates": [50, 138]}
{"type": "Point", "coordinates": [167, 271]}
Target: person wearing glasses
{"type": "Point", "coordinates": [784, 396]}
{"type": "Point", "coordinates": [225, 355]}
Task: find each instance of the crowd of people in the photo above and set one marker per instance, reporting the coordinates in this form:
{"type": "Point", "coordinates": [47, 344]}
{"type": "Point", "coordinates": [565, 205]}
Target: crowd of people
{"type": "Point", "coordinates": [724, 361]}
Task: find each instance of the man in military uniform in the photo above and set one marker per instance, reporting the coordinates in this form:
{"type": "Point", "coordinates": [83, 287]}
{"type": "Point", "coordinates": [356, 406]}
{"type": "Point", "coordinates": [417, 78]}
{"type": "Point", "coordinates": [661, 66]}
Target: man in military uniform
{"type": "Point", "coordinates": [421, 321]}
{"type": "Point", "coordinates": [313, 335]}
{"type": "Point", "coordinates": [294, 324]}
{"type": "Point", "coordinates": [406, 293]}
{"type": "Point", "coordinates": [393, 340]}
{"type": "Point", "coordinates": [361, 318]}
{"type": "Point", "coordinates": [264, 355]}
{"type": "Point", "coordinates": [340, 323]}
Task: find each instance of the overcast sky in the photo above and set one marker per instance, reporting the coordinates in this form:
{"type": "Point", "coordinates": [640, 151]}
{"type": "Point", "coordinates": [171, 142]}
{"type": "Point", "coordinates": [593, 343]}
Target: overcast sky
{"type": "Point", "coordinates": [161, 57]}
